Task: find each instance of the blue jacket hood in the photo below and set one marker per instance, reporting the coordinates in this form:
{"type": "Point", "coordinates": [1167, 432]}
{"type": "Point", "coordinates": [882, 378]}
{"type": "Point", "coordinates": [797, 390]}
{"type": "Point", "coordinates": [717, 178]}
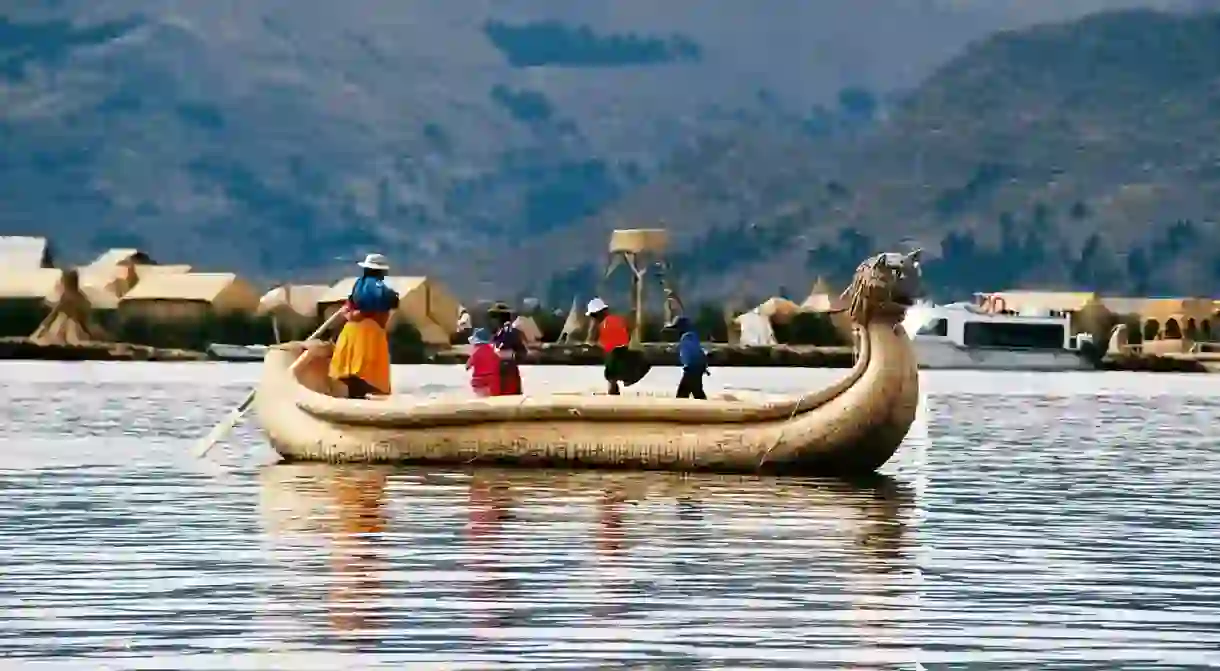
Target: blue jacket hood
{"type": "Point", "coordinates": [690, 353]}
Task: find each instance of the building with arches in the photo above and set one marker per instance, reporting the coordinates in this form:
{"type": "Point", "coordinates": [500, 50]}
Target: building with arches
{"type": "Point", "coordinates": [1193, 319]}
{"type": "Point", "coordinates": [1184, 320]}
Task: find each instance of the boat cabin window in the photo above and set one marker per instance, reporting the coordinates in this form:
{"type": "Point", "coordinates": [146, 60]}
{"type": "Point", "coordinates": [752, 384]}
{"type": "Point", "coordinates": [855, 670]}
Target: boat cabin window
{"type": "Point", "coordinates": [1017, 336]}
{"type": "Point", "coordinates": [939, 327]}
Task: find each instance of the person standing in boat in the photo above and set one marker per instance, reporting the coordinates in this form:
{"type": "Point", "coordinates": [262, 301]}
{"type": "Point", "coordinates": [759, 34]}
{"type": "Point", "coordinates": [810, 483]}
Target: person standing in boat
{"type": "Point", "coordinates": [484, 364]}
{"type": "Point", "coordinates": [613, 337]}
{"type": "Point", "coordinates": [692, 359]}
{"type": "Point", "coordinates": [510, 344]}
{"type": "Point", "coordinates": [362, 354]}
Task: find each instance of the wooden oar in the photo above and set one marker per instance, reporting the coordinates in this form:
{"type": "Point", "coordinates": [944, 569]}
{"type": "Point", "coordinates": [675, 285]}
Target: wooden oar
{"type": "Point", "coordinates": [220, 430]}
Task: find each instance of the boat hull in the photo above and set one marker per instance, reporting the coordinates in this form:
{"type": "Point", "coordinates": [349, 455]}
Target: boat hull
{"type": "Point", "coordinates": [852, 427]}
{"type": "Point", "coordinates": [941, 355]}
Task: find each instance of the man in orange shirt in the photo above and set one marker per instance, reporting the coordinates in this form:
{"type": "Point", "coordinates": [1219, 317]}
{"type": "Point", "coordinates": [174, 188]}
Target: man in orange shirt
{"type": "Point", "coordinates": [622, 364]}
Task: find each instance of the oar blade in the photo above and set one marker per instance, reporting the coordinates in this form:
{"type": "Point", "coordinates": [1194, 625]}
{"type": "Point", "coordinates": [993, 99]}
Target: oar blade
{"type": "Point", "coordinates": [219, 431]}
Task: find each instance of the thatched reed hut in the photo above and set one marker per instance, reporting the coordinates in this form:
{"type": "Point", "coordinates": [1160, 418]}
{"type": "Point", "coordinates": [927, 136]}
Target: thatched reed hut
{"type": "Point", "coordinates": [105, 286]}
{"type": "Point", "coordinates": [120, 257]}
{"type": "Point", "coordinates": [293, 308]}
{"type": "Point", "coordinates": [168, 297]}
{"type": "Point", "coordinates": [148, 270]}
{"type": "Point", "coordinates": [20, 252]}
{"type": "Point", "coordinates": [778, 309]}
{"type": "Point", "coordinates": [425, 304]}
{"type": "Point", "coordinates": [574, 324]}
{"type": "Point", "coordinates": [115, 272]}
{"type": "Point", "coordinates": [824, 300]}
{"type": "Point", "coordinates": [71, 320]}
{"type": "Point", "coordinates": [29, 298]}
{"type": "Point", "coordinates": [33, 284]}
{"type": "Point", "coordinates": [529, 329]}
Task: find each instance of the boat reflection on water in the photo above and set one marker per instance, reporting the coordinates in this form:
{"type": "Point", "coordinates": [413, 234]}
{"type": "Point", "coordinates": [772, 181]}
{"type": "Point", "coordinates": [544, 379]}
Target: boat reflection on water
{"type": "Point", "coordinates": [343, 507]}
{"type": "Point", "coordinates": [610, 535]}
{"type": "Point", "coordinates": [653, 540]}
{"type": "Point", "coordinates": [356, 560]}
{"type": "Point", "coordinates": [884, 581]}
{"type": "Point", "coordinates": [489, 507]}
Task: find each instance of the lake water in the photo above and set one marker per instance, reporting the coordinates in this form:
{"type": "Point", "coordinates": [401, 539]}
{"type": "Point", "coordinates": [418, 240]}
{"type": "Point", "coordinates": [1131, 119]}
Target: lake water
{"type": "Point", "coordinates": [1029, 522]}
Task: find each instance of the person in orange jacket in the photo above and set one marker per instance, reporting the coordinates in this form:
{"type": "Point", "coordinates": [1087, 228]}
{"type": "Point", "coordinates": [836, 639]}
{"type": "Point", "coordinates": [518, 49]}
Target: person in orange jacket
{"type": "Point", "coordinates": [622, 365]}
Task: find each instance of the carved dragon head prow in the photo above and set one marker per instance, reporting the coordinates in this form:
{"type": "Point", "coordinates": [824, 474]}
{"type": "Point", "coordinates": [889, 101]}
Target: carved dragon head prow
{"type": "Point", "coordinates": [884, 286]}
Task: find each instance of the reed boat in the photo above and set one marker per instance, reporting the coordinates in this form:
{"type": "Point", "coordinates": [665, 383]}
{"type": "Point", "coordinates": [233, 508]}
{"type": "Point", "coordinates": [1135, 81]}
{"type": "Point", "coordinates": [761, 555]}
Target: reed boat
{"type": "Point", "coordinates": [851, 427]}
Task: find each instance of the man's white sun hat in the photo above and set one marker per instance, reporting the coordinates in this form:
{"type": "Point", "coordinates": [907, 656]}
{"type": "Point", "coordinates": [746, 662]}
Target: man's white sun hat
{"type": "Point", "coordinates": [595, 306]}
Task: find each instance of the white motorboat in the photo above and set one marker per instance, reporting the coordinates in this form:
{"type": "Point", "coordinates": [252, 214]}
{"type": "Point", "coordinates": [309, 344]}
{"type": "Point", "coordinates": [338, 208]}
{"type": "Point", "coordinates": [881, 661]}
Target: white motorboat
{"type": "Point", "coordinates": [964, 336]}
{"type": "Point", "coordinates": [223, 352]}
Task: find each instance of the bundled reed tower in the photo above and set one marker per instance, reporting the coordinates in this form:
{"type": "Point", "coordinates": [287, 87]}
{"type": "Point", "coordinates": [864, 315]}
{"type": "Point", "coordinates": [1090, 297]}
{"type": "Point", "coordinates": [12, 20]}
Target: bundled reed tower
{"type": "Point", "coordinates": [642, 250]}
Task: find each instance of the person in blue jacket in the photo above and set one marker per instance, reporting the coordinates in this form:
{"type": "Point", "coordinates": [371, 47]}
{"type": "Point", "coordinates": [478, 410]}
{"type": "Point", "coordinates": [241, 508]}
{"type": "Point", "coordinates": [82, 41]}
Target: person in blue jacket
{"type": "Point", "coordinates": [692, 358]}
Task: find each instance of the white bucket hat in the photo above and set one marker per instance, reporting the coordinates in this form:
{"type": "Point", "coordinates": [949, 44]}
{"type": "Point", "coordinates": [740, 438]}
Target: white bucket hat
{"type": "Point", "coordinates": [595, 306]}
{"type": "Point", "coordinates": [375, 262]}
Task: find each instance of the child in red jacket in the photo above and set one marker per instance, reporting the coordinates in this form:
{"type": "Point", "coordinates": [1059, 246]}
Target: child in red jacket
{"type": "Point", "coordinates": [484, 364]}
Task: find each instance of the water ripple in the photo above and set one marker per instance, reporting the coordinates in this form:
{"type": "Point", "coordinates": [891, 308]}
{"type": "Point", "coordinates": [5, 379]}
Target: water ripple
{"type": "Point", "coordinates": [1057, 522]}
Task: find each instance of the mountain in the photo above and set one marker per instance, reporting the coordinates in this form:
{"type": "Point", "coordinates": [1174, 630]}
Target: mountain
{"type": "Point", "coordinates": [286, 139]}
{"type": "Point", "coordinates": [1070, 155]}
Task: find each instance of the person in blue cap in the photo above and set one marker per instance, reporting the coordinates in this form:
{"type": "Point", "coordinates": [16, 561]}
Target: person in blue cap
{"type": "Point", "coordinates": [692, 358]}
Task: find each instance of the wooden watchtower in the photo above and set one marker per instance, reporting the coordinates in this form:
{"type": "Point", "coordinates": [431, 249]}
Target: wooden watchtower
{"type": "Point", "coordinates": [642, 249]}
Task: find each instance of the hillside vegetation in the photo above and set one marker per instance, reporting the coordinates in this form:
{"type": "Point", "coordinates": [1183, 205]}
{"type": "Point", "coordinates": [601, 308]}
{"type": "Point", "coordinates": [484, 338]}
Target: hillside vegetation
{"type": "Point", "coordinates": [285, 144]}
{"type": "Point", "coordinates": [1078, 155]}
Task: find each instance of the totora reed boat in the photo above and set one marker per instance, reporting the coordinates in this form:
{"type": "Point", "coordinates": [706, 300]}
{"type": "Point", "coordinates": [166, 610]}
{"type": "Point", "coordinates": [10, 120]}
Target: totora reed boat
{"type": "Point", "coordinates": [851, 427]}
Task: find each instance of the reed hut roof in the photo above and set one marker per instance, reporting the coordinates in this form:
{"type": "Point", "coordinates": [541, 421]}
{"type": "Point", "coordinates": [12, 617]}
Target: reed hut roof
{"type": "Point", "coordinates": [118, 256]}
{"type": "Point", "coordinates": [820, 298]}
{"type": "Point", "coordinates": [201, 287]}
{"type": "Point", "coordinates": [300, 299]}
{"type": "Point", "coordinates": [42, 283]}
{"type": "Point", "coordinates": [426, 303]}
{"type": "Point", "coordinates": [339, 291]}
{"type": "Point", "coordinates": [778, 309]}
{"type": "Point", "coordinates": [528, 328]}
{"type": "Point", "coordinates": [574, 321]}
{"type": "Point", "coordinates": [145, 269]}
{"type": "Point", "coordinates": [105, 286]}
{"type": "Point", "coordinates": [19, 252]}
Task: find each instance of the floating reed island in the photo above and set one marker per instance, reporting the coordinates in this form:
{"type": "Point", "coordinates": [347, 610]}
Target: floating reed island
{"type": "Point", "coordinates": [27, 349]}
{"type": "Point", "coordinates": [125, 306]}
